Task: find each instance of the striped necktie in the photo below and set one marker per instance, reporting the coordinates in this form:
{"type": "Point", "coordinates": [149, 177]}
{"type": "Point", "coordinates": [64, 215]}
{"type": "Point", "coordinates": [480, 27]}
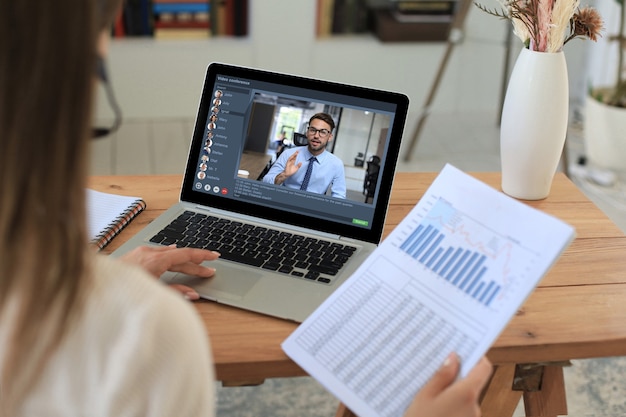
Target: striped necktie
{"type": "Point", "coordinates": [307, 176]}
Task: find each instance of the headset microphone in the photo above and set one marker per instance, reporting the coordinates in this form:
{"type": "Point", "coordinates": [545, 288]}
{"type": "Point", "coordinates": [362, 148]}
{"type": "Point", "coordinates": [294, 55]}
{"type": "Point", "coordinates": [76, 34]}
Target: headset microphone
{"type": "Point", "coordinates": [100, 132]}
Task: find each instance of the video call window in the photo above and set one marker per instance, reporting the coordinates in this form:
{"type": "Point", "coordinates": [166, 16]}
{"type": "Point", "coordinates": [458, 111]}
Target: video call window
{"type": "Point", "coordinates": [277, 124]}
{"type": "Point", "coordinates": [248, 130]}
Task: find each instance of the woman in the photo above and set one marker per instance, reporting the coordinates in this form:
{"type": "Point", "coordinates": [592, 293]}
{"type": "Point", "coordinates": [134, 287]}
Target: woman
{"type": "Point", "coordinates": [81, 333]}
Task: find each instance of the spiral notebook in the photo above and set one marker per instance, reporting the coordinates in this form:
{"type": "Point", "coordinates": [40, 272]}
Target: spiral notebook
{"type": "Point", "coordinates": [108, 214]}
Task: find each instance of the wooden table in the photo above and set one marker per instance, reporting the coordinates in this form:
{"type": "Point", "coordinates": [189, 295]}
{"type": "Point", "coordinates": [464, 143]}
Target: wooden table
{"type": "Point", "coordinates": [577, 311]}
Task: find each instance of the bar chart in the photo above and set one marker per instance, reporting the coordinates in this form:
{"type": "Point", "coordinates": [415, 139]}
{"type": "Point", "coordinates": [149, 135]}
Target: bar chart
{"type": "Point", "coordinates": [460, 250]}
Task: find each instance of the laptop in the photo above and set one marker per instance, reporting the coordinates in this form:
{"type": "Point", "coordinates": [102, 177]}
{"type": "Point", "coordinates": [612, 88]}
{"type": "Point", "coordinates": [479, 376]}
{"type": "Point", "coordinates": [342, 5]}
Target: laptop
{"type": "Point", "coordinates": [284, 251]}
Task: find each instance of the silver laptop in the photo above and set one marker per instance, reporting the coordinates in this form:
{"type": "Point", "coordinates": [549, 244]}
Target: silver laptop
{"type": "Point", "coordinates": [283, 250]}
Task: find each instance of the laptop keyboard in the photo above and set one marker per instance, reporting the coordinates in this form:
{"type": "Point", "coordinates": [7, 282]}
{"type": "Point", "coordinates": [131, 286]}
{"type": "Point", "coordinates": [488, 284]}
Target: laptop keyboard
{"type": "Point", "coordinates": [292, 254]}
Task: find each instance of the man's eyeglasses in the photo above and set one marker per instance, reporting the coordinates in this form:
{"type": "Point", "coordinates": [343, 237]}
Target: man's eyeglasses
{"type": "Point", "coordinates": [323, 132]}
{"type": "Point", "coordinates": [100, 132]}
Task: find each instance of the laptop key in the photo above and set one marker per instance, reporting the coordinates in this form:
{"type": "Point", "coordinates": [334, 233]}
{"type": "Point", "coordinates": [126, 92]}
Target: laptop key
{"type": "Point", "coordinates": [312, 275]}
{"type": "Point", "coordinates": [238, 250]}
{"type": "Point", "coordinates": [230, 256]}
{"type": "Point", "coordinates": [157, 238]}
{"type": "Point", "coordinates": [272, 266]}
{"type": "Point", "coordinates": [168, 241]}
{"type": "Point", "coordinates": [324, 269]}
{"type": "Point", "coordinates": [285, 269]}
{"type": "Point", "coordinates": [263, 255]}
{"type": "Point", "coordinates": [289, 261]}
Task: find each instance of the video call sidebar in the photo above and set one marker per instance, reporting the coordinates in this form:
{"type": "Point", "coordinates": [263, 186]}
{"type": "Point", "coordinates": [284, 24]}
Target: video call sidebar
{"type": "Point", "coordinates": [216, 160]}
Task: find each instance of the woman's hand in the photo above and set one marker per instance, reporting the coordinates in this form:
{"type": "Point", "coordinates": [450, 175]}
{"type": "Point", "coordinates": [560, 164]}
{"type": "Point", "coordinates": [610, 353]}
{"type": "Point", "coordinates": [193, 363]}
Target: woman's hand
{"type": "Point", "coordinates": [159, 259]}
{"type": "Point", "coordinates": [442, 396]}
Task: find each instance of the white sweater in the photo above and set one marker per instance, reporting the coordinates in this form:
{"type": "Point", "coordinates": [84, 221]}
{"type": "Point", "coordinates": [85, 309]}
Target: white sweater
{"type": "Point", "coordinates": [139, 349]}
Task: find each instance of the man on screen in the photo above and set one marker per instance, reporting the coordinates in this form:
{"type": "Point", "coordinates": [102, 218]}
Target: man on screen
{"type": "Point", "coordinates": [311, 168]}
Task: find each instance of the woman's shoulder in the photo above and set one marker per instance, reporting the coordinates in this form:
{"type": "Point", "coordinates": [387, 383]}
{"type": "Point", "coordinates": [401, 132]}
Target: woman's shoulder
{"type": "Point", "coordinates": [130, 295]}
{"type": "Point", "coordinates": [126, 281]}
{"type": "Point", "coordinates": [136, 342]}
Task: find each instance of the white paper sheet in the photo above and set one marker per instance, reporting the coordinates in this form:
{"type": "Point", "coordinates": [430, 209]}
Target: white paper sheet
{"type": "Point", "coordinates": [104, 210]}
{"type": "Point", "coordinates": [448, 278]}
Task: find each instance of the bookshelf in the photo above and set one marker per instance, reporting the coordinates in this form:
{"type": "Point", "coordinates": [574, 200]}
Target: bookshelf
{"type": "Point", "coordinates": [388, 20]}
{"type": "Point", "coordinates": [162, 79]}
{"type": "Point", "coordinates": [182, 19]}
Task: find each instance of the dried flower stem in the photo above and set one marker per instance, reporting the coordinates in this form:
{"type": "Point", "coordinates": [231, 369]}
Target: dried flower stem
{"type": "Point", "coordinates": [547, 25]}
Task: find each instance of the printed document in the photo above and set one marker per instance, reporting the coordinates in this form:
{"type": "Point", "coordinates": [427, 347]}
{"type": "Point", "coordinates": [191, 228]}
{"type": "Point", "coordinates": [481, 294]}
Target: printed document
{"type": "Point", "coordinates": [447, 279]}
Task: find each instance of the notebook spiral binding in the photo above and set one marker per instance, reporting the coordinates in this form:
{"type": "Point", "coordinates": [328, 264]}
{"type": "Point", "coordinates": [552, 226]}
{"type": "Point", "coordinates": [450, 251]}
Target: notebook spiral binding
{"type": "Point", "coordinates": [114, 228]}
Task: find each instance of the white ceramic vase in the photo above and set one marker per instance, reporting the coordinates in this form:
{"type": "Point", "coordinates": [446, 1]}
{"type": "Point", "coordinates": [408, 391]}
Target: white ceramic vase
{"type": "Point", "coordinates": [534, 124]}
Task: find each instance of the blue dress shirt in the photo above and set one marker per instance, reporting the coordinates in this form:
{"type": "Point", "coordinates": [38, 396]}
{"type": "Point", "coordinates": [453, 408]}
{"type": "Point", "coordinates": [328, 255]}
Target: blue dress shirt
{"type": "Point", "coordinates": [328, 172]}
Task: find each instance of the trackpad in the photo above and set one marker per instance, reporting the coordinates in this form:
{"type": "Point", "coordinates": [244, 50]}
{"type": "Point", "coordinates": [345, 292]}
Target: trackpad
{"type": "Point", "coordinates": [229, 282]}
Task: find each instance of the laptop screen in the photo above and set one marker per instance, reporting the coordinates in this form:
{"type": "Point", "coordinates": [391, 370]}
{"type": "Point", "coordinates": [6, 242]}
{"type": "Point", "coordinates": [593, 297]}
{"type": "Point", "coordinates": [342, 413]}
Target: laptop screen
{"type": "Point", "coordinates": [251, 121]}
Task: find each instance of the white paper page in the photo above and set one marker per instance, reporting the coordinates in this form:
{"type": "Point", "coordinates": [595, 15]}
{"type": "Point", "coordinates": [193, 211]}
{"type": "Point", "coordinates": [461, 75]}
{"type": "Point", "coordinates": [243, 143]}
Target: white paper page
{"type": "Point", "coordinates": [382, 335]}
{"type": "Point", "coordinates": [104, 208]}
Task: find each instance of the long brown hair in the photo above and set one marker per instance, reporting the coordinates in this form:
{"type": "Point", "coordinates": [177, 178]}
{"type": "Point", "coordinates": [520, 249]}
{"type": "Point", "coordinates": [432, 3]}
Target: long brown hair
{"type": "Point", "coordinates": [47, 76]}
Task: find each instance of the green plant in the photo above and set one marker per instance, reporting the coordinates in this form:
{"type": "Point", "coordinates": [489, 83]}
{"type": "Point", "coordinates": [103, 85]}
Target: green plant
{"type": "Point", "coordinates": [616, 95]}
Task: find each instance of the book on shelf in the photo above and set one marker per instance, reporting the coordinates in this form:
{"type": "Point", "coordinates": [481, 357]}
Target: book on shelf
{"type": "Point", "coordinates": [324, 22]}
{"type": "Point", "coordinates": [181, 28]}
{"type": "Point", "coordinates": [229, 18]}
{"type": "Point", "coordinates": [424, 10]}
{"type": "Point", "coordinates": [422, 18]}
{"type": "Point", "coordinates": [447, 279]}
{"type": "Point", "coordinates": [181, 33]}
{"type": "Point", "coordinates": [350, 16]}
{"type": "Point", "coordinates": [189, 24]}
{"type": "Point", "coordinates": [118, 30]}
{"type": "Point", "coordinates": [217, 17]}
{"type": "Point", "coordinates": [390, 29]}
{"type": "Point", "coordinates": [335, 17]}
{"type": "Point", "coordinates": [137, 18]}
{"type": "Point", "coordinates": [186, 7]}
{"type": "Point", "coordinates": [239, 16]}
{"type": "Point", "coordinates": [108, 214]}
{"type": "Point", "coordinates": [182, 20]}
{"type": "Point", "coordinates": [424, 6]}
